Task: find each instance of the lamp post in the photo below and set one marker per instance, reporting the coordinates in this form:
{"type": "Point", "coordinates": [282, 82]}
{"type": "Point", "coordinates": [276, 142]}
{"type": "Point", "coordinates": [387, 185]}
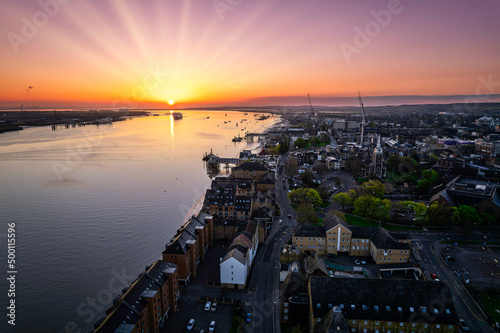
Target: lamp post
{"type": "Point", "coordinates": [482, 252]}
{"type": "Point", "coordinates": [495, 262]}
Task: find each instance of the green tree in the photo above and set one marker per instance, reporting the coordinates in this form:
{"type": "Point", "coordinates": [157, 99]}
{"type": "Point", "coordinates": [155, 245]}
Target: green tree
{"type": "Point", "coordinates": [374, 188]}
{"type": "Point", "coordinates": [393, 162]}
{"type": "Point", "coordinates": [315, 141]}
{"type": "Point", "coordinates": [343, 199]}
{"type": "Point", "coordinates": [296, 329]}
{"type": "Point", "coordinates": [300, 143]}
{"type": "Point", "coordinates": [306, 212]}
{"type": "Point", "coordinates": [298, 195]}
{"type": "Point", "coordinates": [424, 186]}
{"type": "Point", "coordinates": [439, 214]}
{"type": "Point", "coordinates": [283, 148]}
{"type": "Point", "coordinates": [468, 214]}
{"type": "Point", "coordinates": [313, 197]}
{"type": "Point", "coordinates": [372, 207]}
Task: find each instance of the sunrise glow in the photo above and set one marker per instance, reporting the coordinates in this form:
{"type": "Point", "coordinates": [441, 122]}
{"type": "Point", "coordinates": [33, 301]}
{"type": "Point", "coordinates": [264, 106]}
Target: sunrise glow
{"type": "Point", "coordinates": [131, 54]}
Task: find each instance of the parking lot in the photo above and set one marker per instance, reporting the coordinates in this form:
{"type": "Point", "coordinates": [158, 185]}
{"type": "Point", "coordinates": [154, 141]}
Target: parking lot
{"type": "Point", "coordinates": [189, 305]}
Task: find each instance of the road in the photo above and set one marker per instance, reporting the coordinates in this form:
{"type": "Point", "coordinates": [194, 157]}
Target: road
{"type": "Point", "coordinates": [467, 308]}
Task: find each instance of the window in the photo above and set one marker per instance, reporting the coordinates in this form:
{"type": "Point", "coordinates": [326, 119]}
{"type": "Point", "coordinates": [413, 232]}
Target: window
{"type": "Point", "coordinates": [438, 326]}
{"type": "Point", "coordinates": [365, 322]}
{"type": "Point", "coordinates": [353, 307]}
{"type": "Point", "coordinates": [354, 321]}
{"type": "Point", "coordinates": [388, 308]}
{"type": "Point", "coordinates": [389, 323]}
{"type": "Point", "coordinates": [375, 307]}
{"type": "Point", "coordinates": [286, 311]}
{"type": "Point", "coordinates": [401, 324]}
{"type": "Point", "coordinates": [329, 246]}
{"type": "Point", "coordinates": [314, 239]}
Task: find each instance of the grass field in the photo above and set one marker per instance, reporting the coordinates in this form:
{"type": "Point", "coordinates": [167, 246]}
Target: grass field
{"type": "Point", "coordinates": [491, 303]}
{"type": "Point", "coordinates": [362, 222]}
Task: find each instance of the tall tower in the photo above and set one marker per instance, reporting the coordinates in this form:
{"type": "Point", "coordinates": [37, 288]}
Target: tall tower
{"type": "Point", "coordinates": [378, 161]}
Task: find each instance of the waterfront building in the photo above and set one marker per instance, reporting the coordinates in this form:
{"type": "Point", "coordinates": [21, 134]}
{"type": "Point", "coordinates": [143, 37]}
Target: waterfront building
{"type": "Point", "coordinates": [188, 247]}
{"type": "Point", "coordinates": [144, 305]}
{"type": "Point", "coordinates": [253, 170]}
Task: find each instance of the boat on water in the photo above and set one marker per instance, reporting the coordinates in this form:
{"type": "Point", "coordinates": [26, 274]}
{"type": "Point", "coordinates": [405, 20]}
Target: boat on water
{"type": "Point", "coordinates": [176, 115]}
{"type": "Point", "coordinates": [237, 138]}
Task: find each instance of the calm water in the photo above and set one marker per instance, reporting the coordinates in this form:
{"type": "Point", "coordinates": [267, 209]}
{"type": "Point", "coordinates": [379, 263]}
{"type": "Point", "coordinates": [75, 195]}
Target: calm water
{"type": "Point", "coordinates": [94, 205]}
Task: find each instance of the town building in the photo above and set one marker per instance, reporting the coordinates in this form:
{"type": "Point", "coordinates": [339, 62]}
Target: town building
{"type": "Point", "coordinates": [229, 198]}
{"type": "Point", "coordinates": [383, 305]}
{"type": "Point", "coordinates": [145, 304]}
{"type": "Point", "coordinates": [188, 247]}
{"type": "Point", "coordinates": [236, 264]}
{"type": "Point", "coordinates": [336, 237]}
{"type": "Point", "coordinates": [253, 170]}
{"type": "Point", "coordinates": [480, 193]}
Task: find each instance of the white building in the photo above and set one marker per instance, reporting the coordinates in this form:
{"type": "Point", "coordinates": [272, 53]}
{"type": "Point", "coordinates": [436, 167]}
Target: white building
{"type": "Point", "coordinates": [237, 262]}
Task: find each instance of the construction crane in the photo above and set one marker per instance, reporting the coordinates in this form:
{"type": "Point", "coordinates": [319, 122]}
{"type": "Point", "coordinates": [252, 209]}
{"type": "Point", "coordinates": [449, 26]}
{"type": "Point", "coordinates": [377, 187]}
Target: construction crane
{"type": "Point", "coordinates": [310, 104]}
{"type": "Point", "coordinates": [363, 121]}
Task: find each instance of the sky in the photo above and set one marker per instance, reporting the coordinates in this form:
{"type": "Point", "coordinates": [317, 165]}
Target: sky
{"type": "Point", "coordinates": [140, 54]}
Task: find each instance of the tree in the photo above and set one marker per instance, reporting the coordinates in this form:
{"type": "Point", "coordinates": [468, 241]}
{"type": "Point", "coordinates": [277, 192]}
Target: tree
{"type": "Point", "coordinates": [439, 214]}
{"type": "Point", "coordinates": [315, 141]}
{"type": "Point", "coordinates": [374, 188]}
{"type": "Point", "coordinates": [343, 199]}
{"type": "Point", "coordinates": [392, 162]}
{"type": "Point", "coordinates": [298, 195]}
{"type": "Point", "coordinates": [468, 214]}
{"type": "Point", "coordinates": [313, 197]}
{"type": "Point", "coordinates": [424, 186]}
{"type": "Point", "coordinates": [295, 329]}
{"type": "Point", "coordinates": [372, 207]}
{"type": "Point", "coordinates": [283, 148]}
{"type": "Point", "coordinates": [306, 212]}
{"type": "Point", "coordinates": [308, 179]}
{"type": "Point", "coordinates": [300, 143]}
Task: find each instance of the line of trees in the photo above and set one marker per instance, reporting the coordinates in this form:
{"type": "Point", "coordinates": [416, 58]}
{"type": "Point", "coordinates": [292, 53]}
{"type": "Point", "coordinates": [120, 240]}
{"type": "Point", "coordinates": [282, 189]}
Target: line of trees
{"type": "Point", "coordinates": [368, 201]}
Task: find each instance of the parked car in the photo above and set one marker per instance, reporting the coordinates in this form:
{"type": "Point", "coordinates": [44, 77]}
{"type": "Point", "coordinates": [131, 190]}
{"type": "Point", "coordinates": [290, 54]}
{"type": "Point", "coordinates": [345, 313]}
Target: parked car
{"type": "Point", "coordinates": [214, 307]}
{"type": "Point", "coordinates": [289, 216]}
{"type": "Point", "coordinates": [464, 326]}
{"type": "Point", "coordinates": [434, 276]}
{"type": "Point", "coordinates": [211, 328]}
{"type": "Point", "coordinates": [190, 324]}
{"type": "Point", "coordinates": [357, 262]}
{"type": "Point", "coordinates": [386, 275]}
{"type": "Point", "coordinates": [363, 262]}
{"type": "Point", "coordinates": [207, 306]}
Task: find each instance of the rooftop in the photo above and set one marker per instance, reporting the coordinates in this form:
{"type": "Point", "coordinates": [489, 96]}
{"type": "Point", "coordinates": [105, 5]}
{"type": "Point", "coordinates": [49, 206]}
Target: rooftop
{"type": "Point", "coordinates": [384, 299]}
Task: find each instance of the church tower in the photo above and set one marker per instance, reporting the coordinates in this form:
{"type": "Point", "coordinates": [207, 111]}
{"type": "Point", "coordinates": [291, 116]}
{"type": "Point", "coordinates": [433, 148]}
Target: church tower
{"type": "Point", "coordinates": [378, 161]}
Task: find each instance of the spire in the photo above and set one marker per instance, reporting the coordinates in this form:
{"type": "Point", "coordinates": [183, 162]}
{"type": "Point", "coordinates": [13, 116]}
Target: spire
{"type": "Point", "coordinates": [379, 146]}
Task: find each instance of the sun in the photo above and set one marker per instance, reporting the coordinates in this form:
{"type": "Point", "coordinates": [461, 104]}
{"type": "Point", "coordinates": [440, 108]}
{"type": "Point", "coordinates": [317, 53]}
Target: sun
{"type": "Point", "coordinates": [171, 102]}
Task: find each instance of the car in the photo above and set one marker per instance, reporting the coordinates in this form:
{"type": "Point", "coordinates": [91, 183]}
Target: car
{"type": "Point", "coordinates": [357, 262]}
{"type": "Point", "coordinates": [207, 306]}
{"type": "Point", "coordinates": [214, 307]}
{"type": "Point", "coordinates": [211, 328]}
{"type": "Point", "coordinates": [289, 216]}
{"type": "Point", "coordinates": [190, 324]}
{"type": "Point", "coordinates": [280, 221]}
{"type": "Point", "coordinates": [434, 276]}
{"type": "Point", "coordinates": [248, 317]}
{"type": "Point", "coordinates": [464, 326]}
{"type": "Point", "coordinates": [363, 262]}
{"type": "Point", "coordinates": [386, 275]}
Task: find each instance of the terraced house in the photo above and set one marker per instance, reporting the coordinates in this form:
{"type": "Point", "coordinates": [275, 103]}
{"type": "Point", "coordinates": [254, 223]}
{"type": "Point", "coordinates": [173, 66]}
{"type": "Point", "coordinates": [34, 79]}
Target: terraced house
{"type": "Point", "coordinates": [336, 237]}
{"type": "Point", "coordinates": [145, 304]}
{"type": "Point", "coordinates": [381, 305]}
{"type": "Point", "coordinates": [189, 245]}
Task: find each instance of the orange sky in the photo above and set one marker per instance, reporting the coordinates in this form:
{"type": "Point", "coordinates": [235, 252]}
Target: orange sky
{"type": "Point", "coordinates": [131, 55]}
